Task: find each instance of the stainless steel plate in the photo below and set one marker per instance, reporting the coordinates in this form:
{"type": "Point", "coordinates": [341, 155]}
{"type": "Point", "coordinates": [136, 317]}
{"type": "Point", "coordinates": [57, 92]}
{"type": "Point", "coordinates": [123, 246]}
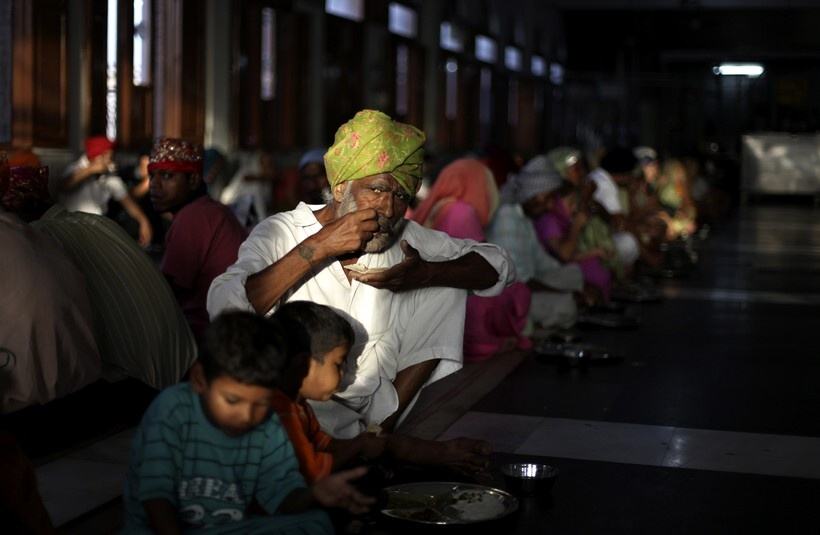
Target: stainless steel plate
{"type": "Point", "coordinates": [445, 503]}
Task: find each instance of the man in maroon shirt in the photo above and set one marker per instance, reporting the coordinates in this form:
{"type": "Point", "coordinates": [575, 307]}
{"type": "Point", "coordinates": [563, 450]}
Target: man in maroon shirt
{"type": "Point", "coordinates": [204, 237]}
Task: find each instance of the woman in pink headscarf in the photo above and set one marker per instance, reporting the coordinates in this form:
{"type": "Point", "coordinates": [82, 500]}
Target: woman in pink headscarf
{"type": "Point", "coordinates": [461, 203]}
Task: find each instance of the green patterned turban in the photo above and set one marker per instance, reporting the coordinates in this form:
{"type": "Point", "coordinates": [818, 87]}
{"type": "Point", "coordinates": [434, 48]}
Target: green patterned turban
{"type": "Point", "coordinates": [372, 143]}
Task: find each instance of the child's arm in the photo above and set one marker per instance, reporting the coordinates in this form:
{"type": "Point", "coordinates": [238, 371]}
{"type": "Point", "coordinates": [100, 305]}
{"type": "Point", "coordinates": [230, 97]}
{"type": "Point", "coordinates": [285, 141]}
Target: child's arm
{"type": "Point", "coordinates": [161, 516]}
{"type": "Point", "coordinates": [367, 445]}
{"type": "Point", "coordinates": [333, 491]}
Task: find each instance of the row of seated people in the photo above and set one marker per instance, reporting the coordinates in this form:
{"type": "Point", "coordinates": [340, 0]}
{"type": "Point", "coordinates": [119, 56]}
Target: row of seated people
{"type": "Point", "coordinates": [573, 236]}
{"type": "Point", "coordinates": [407, 299]}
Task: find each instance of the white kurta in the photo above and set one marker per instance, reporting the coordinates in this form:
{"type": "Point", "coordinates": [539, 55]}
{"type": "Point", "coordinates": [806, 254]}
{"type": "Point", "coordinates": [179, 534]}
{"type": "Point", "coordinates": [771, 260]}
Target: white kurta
{"type": "Point", "coordinates": [393, 330]}
{"type": "Point", "coordinates": [93, 194]}
{"type": "Point", "coordinates": [606, 193]}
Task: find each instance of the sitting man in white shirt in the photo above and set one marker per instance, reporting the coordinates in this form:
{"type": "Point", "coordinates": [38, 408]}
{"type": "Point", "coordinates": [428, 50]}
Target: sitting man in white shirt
{"type": "Point", "coordinates": [90, 182]}
{"type": "Point", "coordinates": [407, 308]}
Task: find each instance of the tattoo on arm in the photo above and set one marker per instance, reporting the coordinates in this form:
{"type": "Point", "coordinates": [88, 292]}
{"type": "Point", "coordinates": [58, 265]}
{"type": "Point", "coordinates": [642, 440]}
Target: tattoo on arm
{"type": "Point", "coordinates": [305, 251]}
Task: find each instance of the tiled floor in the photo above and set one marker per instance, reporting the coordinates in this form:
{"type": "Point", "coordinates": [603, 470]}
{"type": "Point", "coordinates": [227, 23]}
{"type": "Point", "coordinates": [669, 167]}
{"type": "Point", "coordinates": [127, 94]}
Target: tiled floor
{"type": "Point", "coordinates": [712, 422]}
{"type": "Point", "coordinates": [672, 447]}
{"type": "Point", "coordinates": [84, 479]}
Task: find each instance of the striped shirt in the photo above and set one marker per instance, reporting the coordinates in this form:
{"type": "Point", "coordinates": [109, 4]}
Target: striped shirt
{"type": "Point", "coordinates": [209, 477]}
{"type": "Point", "coordinates": [139, 326]}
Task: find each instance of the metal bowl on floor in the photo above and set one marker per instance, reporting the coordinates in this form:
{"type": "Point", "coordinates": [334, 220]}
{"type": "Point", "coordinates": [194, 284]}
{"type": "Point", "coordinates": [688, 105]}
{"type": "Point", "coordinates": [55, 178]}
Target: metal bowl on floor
{"type": "Point", "coordinates": [529, 478]}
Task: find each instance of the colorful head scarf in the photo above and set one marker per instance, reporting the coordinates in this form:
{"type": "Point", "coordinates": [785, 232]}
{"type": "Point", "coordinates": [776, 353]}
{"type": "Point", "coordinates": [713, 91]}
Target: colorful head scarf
{"type": "Point", "coordinates": [175, 155]}
{"type": "Point", "coordinates": [466, 180]}
{"type": "Point", "coordinates": [563, 158]}
{"type": "Point", "coordinates": [97, 145]}
{"type": "Point", "coordinates": [372, 143]}
{"type": "Point", "coordinates": [538, 176]}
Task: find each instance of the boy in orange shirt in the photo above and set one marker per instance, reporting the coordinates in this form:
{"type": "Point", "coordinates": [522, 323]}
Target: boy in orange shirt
{"type": "Point", "coordinates": [322, 337]}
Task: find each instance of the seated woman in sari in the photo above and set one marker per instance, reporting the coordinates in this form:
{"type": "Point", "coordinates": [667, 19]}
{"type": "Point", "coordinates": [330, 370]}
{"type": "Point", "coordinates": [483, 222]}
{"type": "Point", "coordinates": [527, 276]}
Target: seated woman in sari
{"type": "Point", "coordinates": [461, 204]}
{"type": "Point", "coordinates": [572, 232]}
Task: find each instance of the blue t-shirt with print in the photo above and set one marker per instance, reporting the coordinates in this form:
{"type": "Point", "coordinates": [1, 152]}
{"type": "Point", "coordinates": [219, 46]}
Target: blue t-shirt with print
{"type": "Point", "coordinates": [209, 477]}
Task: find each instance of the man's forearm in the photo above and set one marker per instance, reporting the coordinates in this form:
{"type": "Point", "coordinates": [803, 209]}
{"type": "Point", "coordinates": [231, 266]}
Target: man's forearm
{"type": "Point", "coordinates": [265, 288]}
{"type": "Point", "coordinates": [413, 450]}
{"type": "Point", "coordinates": [468, 272]}
{"type": "Point", "coordinates": [76, 178]}
{"type": "Point", "coordinates": [407, 384]}
{"type": "Point", "coordinates": [133, 209]}
{"type": "Point", "coordinates": [344, 451]}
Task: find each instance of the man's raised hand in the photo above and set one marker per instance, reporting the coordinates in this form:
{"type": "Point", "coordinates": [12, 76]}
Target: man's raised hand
{"type": "Point", "coordinates": [347, 234]}
{"type": "Point", "coordinates": [409, 274]}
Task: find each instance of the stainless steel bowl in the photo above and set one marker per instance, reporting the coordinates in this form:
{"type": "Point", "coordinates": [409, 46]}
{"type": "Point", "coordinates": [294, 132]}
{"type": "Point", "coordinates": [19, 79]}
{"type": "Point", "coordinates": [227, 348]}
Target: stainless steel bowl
{"type": "Point", "coordinates": [529, 478]}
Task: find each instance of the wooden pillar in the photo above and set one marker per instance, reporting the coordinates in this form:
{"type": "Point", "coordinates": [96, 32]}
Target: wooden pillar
{"type": "Point", "coordinates": [6, 69]}
{"type": "Point", "coordinates": [23, 78]}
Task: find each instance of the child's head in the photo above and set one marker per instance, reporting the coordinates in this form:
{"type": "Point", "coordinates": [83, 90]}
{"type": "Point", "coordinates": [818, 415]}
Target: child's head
{"type": "Point", "coordinates": [320, 337]}
{"type": "Point", "coordinates": [242, 361]}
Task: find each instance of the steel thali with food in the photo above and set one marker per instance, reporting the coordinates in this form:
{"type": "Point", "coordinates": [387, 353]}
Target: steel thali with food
{"type": "Point", "coordinates": [447, 503]}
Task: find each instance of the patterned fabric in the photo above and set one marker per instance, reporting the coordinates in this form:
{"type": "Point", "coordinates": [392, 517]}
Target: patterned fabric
{"type": "Point", "coordinates": [466, 180]}
{"type": "Point", "coordinates": [562, 158]}
{"type": "Point", "coordinates": [97, 145]}
{"type": "Point", "coordinates": [310, 443]}
{"type": "Point", "coordinates": [139, 326]}
{"type": "Point", "coordinates": [372, 143]}
{"type": "Point", "coordinates": [208, 477]}
{"type": "Point", "coordinates": [175, 155]}
{"type": "Point", "coordinates": [538, 176]}
{"type": "Point", "coordinates": [26, 191]}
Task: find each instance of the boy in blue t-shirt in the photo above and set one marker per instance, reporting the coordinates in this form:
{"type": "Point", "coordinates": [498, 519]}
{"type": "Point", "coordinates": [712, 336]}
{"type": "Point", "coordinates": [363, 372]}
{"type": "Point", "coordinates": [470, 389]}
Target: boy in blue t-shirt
{"type": "Point", "coordinates": [210, 453]}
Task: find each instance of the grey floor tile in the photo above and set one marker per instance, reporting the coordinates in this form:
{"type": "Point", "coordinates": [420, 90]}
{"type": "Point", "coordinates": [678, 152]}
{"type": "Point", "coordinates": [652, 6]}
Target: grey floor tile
{"type": "Point", "coordinates": [114, 449]}
{"type": "Point", "coordinates": [72, 487]}
{"type": "Point", "coordinates": [506, 432]}
{"type": "Point", "coordinates": [752, 453]}
{"type": "Point", "coordinates": [599, 441]}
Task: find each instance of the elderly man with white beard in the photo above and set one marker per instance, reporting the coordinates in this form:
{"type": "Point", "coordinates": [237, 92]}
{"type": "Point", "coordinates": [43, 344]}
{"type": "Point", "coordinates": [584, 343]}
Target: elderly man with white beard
{"type": "Point", "coordinates": [407, 306]}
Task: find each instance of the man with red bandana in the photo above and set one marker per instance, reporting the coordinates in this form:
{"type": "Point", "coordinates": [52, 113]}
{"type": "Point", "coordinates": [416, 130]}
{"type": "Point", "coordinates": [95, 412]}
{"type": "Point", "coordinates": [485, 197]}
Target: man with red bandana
{"type": "Point", "coordinates": [204, 237]}
{"type": "Point", "coordinates": [90, 182]}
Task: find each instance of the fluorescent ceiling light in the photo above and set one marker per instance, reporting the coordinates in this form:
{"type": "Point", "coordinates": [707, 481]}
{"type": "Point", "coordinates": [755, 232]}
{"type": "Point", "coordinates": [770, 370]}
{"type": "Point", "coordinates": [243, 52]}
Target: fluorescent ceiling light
{"type": "Point", "coordinates": [485, 49]}
{"type": "Point", "coordinates": [538, 66]}
{"type": "Point", "coordinates": [752, 70]}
